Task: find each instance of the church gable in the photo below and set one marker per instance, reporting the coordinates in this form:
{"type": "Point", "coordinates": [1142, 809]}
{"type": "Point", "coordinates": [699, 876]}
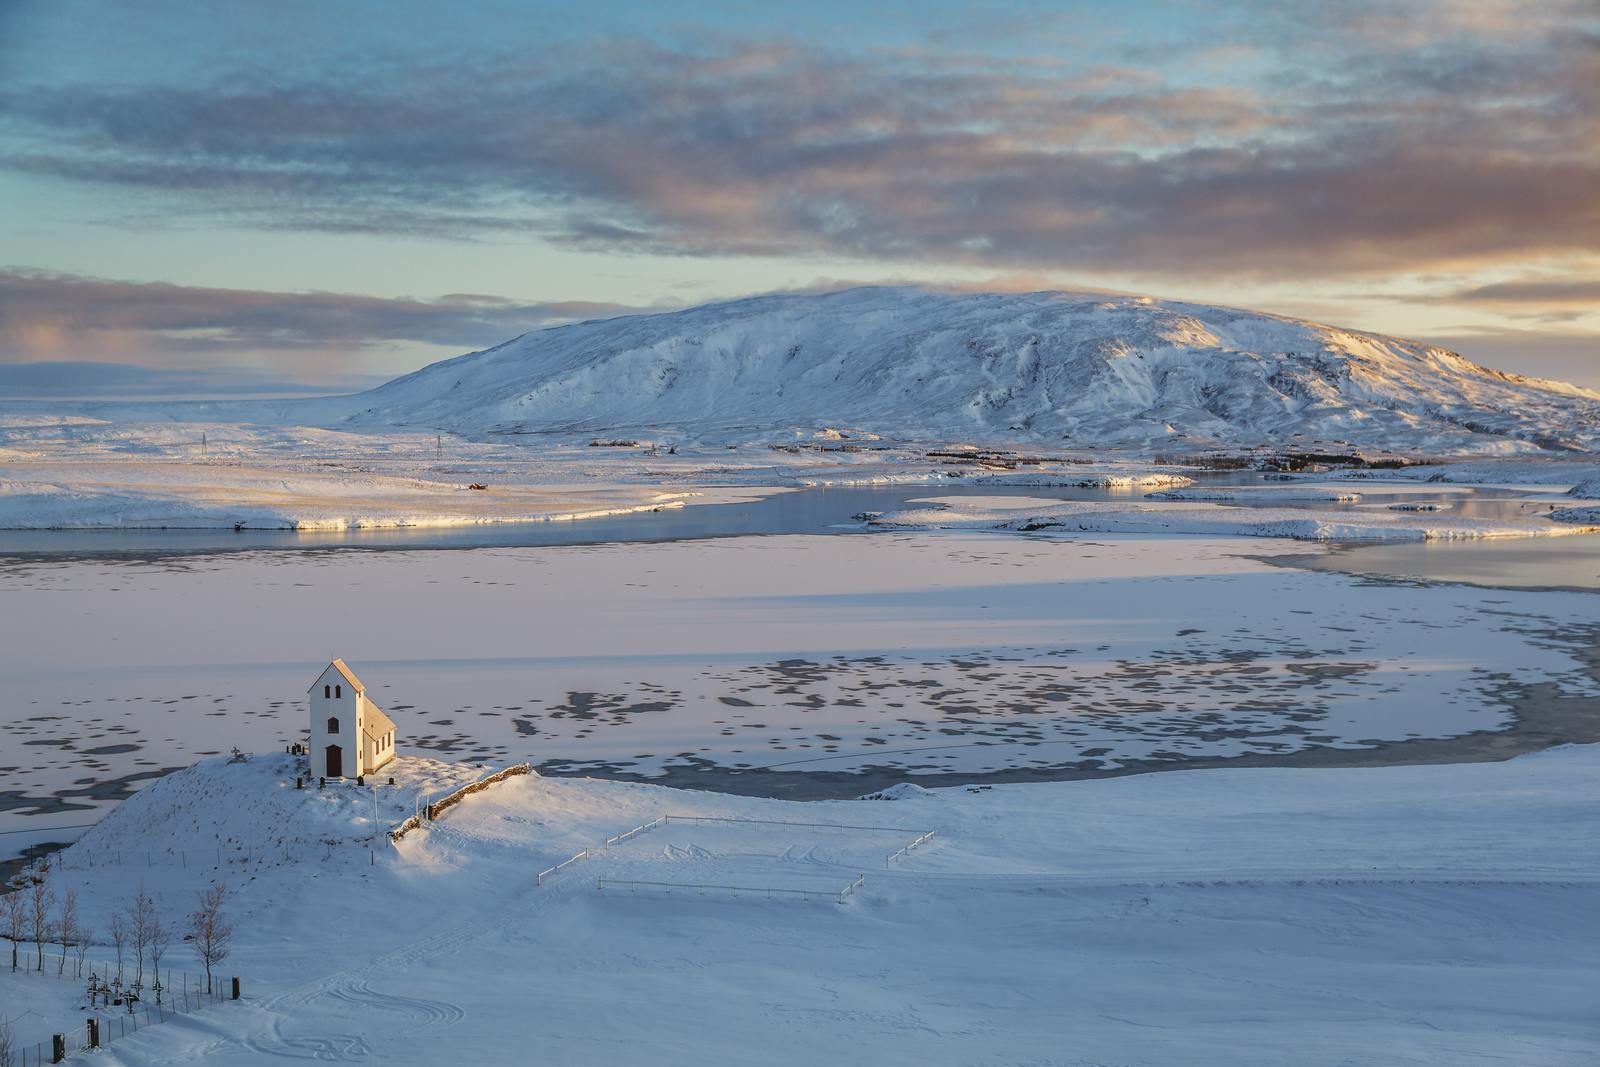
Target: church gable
{"type": "Point", "coordinates": [337, 680]}
{"type": "Point", "coordinates": [349, 735]}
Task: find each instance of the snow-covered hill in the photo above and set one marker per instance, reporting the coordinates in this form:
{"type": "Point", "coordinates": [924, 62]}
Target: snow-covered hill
{"type": "Point", "coordinates": [1078, 369]}
{"type": "Point", "coordinates": [1239, 917]}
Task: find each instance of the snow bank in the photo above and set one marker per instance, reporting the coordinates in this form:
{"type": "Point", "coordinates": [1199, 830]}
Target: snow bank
{"type": "Point", "coordinates": [1588, 489]}
{"type": "Point", "coordinates": [266, 499]}
{"type": "Point", "coordinates": [956, 513]}
{"type": "Point", "coordinates": [1257, 496]}
{"type": "Point", "coordinates": [1553, 472]}
{"type": "Point", "coordinates": [250, 811]}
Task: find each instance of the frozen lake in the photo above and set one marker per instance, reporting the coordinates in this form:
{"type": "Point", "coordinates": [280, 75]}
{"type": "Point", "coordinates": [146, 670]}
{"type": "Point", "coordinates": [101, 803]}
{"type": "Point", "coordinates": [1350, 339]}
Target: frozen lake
{"type": "Point", "coordinates": [795, 663]}
{"type": "Point", "coordinates": [817, 510]}
{"type": "Point", "coordinates": [1543, 563]}
{"type": "Point", "coordinates": [1570, 562]}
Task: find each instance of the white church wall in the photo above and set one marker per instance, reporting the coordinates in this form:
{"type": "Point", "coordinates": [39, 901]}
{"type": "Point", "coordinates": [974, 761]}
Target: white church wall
{"type": "Point", "coordinates": [341, 707]}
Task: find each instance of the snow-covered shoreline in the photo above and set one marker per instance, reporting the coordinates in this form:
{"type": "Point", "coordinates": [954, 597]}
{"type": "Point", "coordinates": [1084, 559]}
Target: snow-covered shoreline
{"type": "Point", "coordinates": [1201, 518]}
{"type": "Point", "coordinates": [114, 471]}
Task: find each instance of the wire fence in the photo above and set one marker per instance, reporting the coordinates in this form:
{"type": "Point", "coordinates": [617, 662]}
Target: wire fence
{"type": "Point", "coordinates": [196, 858]}
{"type": "Point", "coordinates": [922, 838]}
{"type": "Point", "coordinates": [838, 895]}
{"type": "Point", "coordinates": [777, 822]}
{"type": "Point", "coordinates": [113, 1011]}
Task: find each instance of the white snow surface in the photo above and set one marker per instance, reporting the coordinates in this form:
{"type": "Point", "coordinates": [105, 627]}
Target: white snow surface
{"type": "Point", "coordinates": [1203, 517]}
{"type": "Point", "coordinates": [913, 363]}
{"type": "Point", "coordinates": [1257, 495]}
{"type": "Point", "coordinates": [1402, 915]}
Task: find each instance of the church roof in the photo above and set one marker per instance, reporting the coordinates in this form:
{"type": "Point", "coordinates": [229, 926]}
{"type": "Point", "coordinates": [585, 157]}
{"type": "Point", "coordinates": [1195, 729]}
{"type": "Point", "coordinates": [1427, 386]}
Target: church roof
{"type": "Point", "coordinates": [377, 723]}
{"type": "Point", "coordinates": [349, 676]}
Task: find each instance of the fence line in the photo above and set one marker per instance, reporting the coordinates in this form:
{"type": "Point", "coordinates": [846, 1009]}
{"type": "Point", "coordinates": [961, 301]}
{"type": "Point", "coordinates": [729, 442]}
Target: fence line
{"type": "Point", "coordinates": [633, 883]}
{"type": "Point", "coordinates": [118, 1024]}
{"type": "Point", "coordinates": [436, 808]}
{"type": "Point", "coordinates": [777, 822]}
{"type": "Point", "coordinates": [547, 872]}
{"type": "Point", "coordinates": [199, 858]}
{"type": "Point", "coordinates": [651, 825]}
{"type": "Point", "coordinates": [907, 848]}
{"type": "Point", "coordinates": [104, 969]}
{"type": "Point", "coordinates": [923, 836]}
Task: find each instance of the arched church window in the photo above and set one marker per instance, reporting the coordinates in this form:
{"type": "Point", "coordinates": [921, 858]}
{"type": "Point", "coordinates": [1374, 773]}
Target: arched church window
{"type": "Point", "coordinates": [333, 725]}
{"type": "Point", "coordinates": [338, 690]}
{"type": "Point", "coordinates": [327, 691]}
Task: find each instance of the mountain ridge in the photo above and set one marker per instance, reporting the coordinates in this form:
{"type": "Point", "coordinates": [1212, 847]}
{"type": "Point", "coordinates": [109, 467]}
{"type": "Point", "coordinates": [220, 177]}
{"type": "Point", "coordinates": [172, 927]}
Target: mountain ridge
{"type": "Point", "coordinates": [1066, 368]}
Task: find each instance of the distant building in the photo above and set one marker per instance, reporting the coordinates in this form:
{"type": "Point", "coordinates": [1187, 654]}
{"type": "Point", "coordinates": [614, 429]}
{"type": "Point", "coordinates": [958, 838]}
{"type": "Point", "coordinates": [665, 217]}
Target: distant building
{"type": "Point", "coordinates": [350, 735]}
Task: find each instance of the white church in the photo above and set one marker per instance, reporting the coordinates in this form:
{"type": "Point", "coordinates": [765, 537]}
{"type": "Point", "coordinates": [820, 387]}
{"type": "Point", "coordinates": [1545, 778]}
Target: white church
{"type": "Point", "coordinates": [350, 735]}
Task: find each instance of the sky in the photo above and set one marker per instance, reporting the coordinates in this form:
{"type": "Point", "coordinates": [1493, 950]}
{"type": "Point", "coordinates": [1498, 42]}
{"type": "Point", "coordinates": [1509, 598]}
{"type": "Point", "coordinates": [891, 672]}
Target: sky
{"type": "Point", "coordinates": [326, 195]}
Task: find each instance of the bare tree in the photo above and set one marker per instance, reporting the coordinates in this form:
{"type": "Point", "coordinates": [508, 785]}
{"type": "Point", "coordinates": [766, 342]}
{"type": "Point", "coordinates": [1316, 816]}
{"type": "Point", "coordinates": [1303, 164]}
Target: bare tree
{"type": "Point", "coordinates": [141, 924]}
{"type": "Point", "coordinates": [8, 1045]}
{"type": "Point", "coordinates": [119, 936]}
{"type": "Point", "coordinates": [15, 916]}
{"type": "Point", "coordinates": [210, 930]}
{"type": "Point", "coordinates": [160, 938]}
{"type": "Point", "coordinates": [40, 898]}
{"type": "Point", "coordinates": [67, 927]}
{"type": "Point", "coordinates": [80, 946]}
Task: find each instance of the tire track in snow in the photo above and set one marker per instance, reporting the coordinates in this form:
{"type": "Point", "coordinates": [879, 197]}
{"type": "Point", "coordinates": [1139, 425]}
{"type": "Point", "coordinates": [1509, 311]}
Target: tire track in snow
{"type": "Point", "coordinates": [337, 1048]}
{"type": "Point", "coordinates": [420, 1010]}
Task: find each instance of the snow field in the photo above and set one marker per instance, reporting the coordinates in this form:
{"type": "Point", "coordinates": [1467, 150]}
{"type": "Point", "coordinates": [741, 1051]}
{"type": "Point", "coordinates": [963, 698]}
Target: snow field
{"type": "Point", "coordinates": [1402, 914]}
{"type": "Point", "coordinates": [726, 854]}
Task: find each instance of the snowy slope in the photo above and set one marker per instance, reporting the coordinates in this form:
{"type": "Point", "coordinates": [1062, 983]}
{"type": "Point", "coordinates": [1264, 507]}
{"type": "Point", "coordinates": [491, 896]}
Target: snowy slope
{"type": "Point", "coordinates": [1398, 915]}
{"type": "Point", "coordinates": [1049, 367]}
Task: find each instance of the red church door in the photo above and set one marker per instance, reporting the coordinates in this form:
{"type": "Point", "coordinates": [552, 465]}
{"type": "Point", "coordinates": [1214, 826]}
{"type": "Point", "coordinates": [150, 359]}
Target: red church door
{"type": "Point", "coordinates": [335, 762]}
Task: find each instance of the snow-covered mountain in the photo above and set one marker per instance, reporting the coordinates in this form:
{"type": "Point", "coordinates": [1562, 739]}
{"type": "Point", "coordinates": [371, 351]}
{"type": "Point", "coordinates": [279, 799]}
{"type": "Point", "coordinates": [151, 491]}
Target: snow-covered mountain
{"type": "Point", "coordinates": [1058, 368]}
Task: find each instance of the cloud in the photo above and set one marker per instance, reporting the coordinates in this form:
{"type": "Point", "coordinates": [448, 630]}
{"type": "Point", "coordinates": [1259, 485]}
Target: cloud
{"type": "Point", "coordinates": [1546, 298]}
{"type": "Point", "coordinates": [1562, 355]}
{"type": "Point", "coordinates": [1550, 292]}
{"type": "Point", "coordinates": [1472, 142]}
{"type": "Point", "coordinates": [73, 379]}
{"type": "Point", "coordinates": [48, 317]}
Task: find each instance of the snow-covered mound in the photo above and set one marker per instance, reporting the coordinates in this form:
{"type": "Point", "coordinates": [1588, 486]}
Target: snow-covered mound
{"type": "Point", "coordinates": [1076, 368]}
{"type": "Point", "coordinates": [251, 811]}
{"type": "Point", "coordinates": [1588, 489]}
